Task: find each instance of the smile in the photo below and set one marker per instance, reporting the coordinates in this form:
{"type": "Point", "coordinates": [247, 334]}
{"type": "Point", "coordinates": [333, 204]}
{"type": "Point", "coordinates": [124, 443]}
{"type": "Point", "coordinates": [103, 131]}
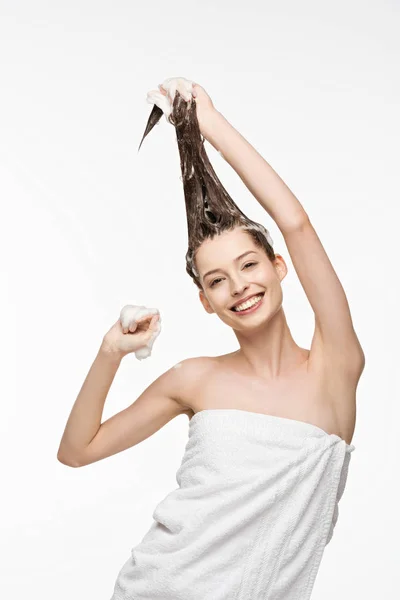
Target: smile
{"type": "Point", "coordinates": [252, 308]}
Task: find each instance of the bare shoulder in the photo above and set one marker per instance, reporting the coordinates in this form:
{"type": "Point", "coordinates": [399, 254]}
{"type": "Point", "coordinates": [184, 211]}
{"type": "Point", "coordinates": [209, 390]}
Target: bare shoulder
{"type": "Point", "coordinates": [186, 375]}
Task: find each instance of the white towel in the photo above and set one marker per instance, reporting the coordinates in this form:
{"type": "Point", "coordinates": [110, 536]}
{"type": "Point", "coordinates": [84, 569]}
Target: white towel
{"type": "Point", "coordinates": [256, 505]}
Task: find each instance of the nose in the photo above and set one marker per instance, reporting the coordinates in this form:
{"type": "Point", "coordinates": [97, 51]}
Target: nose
{"type": "Point", "coordinates": [239, 288]}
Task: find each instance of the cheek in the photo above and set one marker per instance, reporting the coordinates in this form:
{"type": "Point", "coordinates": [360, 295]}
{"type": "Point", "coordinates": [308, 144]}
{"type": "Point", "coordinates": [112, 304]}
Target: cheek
{"type": "Point", "coordinates": [275, 294]}
{"type": "Point", "coordinates": [270, 275]}
{"type": "Point", "coordinates": [220, 296]}
{"type": "Point", "coordinates": [271, 279]}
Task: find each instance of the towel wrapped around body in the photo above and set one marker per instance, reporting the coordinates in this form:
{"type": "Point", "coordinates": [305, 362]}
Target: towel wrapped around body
{"type": "Point", "coordinates": [256, 505]}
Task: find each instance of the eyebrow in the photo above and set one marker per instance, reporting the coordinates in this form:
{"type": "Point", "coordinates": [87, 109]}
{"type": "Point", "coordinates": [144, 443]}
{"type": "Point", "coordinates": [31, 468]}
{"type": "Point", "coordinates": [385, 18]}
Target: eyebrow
{"type": "Point", "coordinates": [235, 260]}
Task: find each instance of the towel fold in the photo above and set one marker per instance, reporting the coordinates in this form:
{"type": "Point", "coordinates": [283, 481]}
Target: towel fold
{"type": "Point", "coordinates": [256, 505]}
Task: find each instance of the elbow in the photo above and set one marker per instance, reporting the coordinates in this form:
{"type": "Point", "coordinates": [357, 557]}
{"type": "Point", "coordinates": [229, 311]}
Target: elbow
{"type": "Point", "coordinates": [295, 223]}
{"type": "Point", "coordinates": [67, 461]}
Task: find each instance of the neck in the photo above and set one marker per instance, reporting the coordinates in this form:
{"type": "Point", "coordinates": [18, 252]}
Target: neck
{"type": "Point", "coordinates": [270, 352]}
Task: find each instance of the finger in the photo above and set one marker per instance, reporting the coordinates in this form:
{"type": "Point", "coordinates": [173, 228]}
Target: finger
{"type": "Point", "coordinates": [152, 323]}
{"type": "Point", "coordinates": [133, 326]}
{"type": "Point", "coordinates": [172, 89]}
{"type": "Point", "coordinates": [143, 319]}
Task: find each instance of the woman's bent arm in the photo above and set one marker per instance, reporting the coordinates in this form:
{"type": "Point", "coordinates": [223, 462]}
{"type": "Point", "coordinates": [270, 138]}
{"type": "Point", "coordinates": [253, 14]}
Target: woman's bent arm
{"type": "Point", "coordinates": [87, 440]}
{"type": "Point", "coordinates": [85, 418]}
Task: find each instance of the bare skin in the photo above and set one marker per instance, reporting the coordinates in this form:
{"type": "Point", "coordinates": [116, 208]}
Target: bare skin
{"type": "Point", "coordinates": [303, 392]}
{"type": "Point", "coordinates": [270, 373]}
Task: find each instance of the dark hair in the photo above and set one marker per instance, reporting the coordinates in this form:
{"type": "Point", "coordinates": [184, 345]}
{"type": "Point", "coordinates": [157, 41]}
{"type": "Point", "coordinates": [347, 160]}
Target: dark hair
{"type": "Point", "coordinates": [209, 208]}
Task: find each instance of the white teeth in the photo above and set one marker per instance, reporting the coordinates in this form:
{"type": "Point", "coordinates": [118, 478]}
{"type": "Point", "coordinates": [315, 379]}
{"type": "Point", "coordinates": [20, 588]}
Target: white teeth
{"type": "Point", "coordinates": [247, 304]}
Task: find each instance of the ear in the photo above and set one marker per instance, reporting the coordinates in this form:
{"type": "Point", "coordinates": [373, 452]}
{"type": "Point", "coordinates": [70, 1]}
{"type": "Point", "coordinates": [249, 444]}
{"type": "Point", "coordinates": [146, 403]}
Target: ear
{"type": "Point", "coordinates": [205, 303]}
{"type": "Point", "coordinates": [280, 266]}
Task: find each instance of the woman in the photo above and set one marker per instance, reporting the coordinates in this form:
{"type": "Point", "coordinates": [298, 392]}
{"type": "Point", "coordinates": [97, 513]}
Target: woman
{"type": "Point", "coordinates": [271, 423]}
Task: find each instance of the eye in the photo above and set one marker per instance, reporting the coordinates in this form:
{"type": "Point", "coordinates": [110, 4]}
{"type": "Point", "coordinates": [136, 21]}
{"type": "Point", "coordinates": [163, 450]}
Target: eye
{"type": "Point", "coordinates": [219, 278]}
{"type": "Point", "coordinates": [215, 281]}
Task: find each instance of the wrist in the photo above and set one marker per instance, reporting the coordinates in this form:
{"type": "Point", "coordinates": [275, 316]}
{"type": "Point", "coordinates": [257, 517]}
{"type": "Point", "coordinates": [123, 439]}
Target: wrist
{"type": "Point", "coordinates": [110, 353]}
{"type": "Point", "coordinates": [207, 121]}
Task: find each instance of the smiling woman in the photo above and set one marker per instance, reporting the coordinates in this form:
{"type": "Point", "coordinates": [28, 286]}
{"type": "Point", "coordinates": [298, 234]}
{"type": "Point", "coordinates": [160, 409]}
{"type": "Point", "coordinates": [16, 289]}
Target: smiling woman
{"type": "Point", "coordinates": [241, 272]}
{"type": "Point", "coordinates": [270, 427]}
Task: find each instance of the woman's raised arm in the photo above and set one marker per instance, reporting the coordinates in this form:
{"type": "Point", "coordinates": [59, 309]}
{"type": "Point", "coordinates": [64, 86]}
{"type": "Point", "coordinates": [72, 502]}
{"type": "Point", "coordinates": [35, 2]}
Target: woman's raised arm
{"type": "Point", "coordinates": [334, 330]}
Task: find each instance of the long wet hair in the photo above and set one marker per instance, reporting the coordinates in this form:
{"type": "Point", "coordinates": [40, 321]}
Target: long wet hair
{"type": "Point", "coordinates": [209, 208]}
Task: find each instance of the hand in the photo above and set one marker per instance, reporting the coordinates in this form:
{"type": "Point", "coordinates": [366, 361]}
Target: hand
{"type": "Point", "coordinates": [203, 100]}
{"type": "Point", "coordinates": [133, 332]}
{"type": "Point", "coordinates": [188, 89]}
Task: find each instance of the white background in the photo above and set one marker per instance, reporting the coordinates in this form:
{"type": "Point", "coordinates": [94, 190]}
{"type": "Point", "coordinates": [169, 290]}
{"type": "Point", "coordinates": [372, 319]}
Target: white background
{"type": "Point", "coordinates": [88, 224]}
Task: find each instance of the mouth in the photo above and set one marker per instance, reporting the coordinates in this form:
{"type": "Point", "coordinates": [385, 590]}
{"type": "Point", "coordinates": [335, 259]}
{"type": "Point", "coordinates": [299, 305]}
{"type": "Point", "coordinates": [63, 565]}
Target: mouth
{"type": "Point", "coordinates": [251, 308]}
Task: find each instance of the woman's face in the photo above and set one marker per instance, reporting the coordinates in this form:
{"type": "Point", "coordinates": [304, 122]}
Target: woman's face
{"type": "Point", "coordinates": [234, 278]}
